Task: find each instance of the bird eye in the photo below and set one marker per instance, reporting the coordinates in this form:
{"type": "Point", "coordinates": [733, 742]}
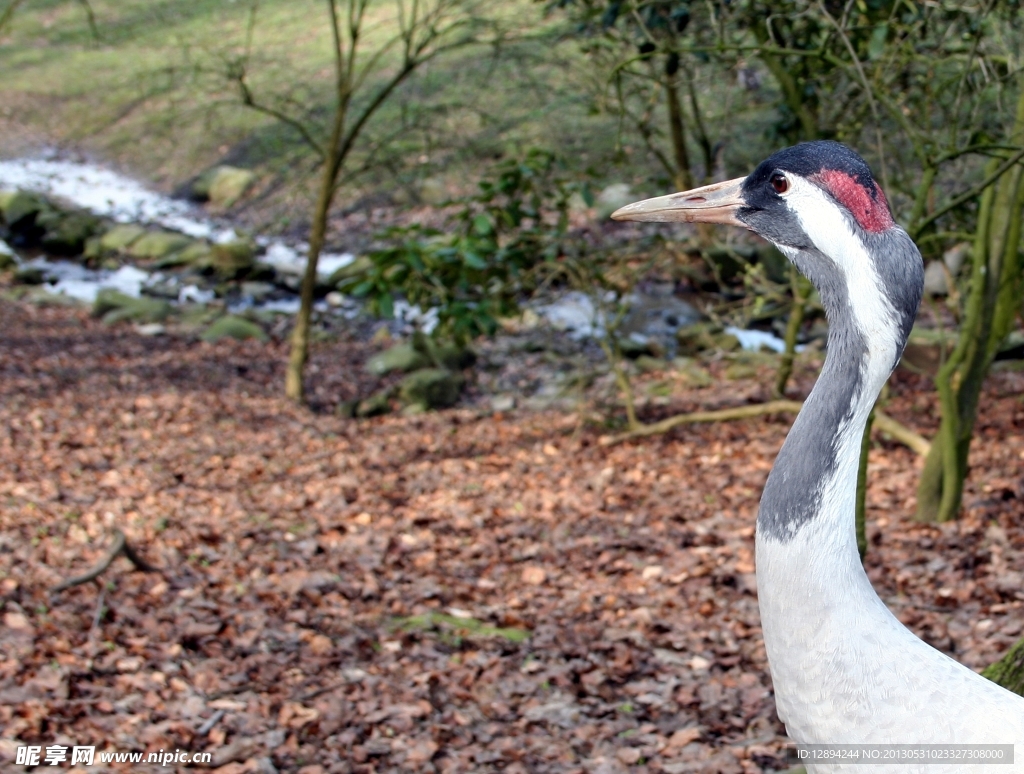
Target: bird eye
{"type": "Point", "coordinates": [780, 183]}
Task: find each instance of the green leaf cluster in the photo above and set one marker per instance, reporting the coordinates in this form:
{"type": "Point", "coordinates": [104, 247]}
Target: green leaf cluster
{"type": "Point", "coordinates": [478, 271]}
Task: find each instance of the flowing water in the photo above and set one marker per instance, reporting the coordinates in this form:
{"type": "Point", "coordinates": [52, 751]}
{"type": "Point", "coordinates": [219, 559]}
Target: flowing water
{"type": "Point", "coordinates": [111, 195]}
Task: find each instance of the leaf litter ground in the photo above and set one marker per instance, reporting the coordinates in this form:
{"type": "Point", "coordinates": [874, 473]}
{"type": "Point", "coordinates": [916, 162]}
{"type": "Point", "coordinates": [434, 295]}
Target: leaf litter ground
{"type": "Point", "coordinates": [454, 592]}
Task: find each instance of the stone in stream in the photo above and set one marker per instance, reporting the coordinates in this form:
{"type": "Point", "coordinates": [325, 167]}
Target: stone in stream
{"type": "Point", "coordinates": [257, 291]}
{"type": "Point", "coordinates": [431, 388]}
{"type": "Point", "coordinates": [448, 354]}
{"type": "Point", "coordinates": [401, 357]}
{"type": "Point", "coordinates": [29, 275]}
{"type": "Point", "coordinates": [19, 209]}
{"type": "Point", "coordinates": [65, 233]}
{"type": "Point", "coordinates": [232, 259]}
{"type": "Point", "coordinates": [196, 254]}
{"type": "Point", "coordinates": [234, 327]}
{"type": "Point", "coordinates": [357, 268]}
{"type": "Point", "coordinates": [114, 306]}
{"type": "Point", "coordinates": [121, 237]}
{"type": "Point", "coordinates": [158, 244]}
{"type": "Point", "coordinates": [223, 185]}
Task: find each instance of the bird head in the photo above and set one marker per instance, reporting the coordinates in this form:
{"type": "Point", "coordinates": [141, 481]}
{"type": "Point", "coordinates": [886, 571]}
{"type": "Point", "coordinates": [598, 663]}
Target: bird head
{"type": "Point", "coordinates": [820, 205]}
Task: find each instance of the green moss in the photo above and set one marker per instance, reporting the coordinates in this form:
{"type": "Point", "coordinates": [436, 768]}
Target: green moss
{"type": "Point", "coordinates": [454, 630]}
{"type": "Point", "coordinates": [1009, 670]}
{"type": "Point", "coordinates": [231, 326]}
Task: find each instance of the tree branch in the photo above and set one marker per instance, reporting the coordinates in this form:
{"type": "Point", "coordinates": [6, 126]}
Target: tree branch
{"type": "Point", "coordinates": [8, 13]}
{"type": "Point", "coordinates": [117, 548]}
{"type": "Point", "coordinates": [966, 196]}
{"type": "Point", "coordinates": [883, 423]}
{"type": "Point", "coordinates": [250, 102]}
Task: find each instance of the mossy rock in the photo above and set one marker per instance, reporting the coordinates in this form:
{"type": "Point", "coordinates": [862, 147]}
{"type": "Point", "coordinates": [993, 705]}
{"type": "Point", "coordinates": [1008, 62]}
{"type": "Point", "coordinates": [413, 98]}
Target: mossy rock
{"type": "Point", "coordinates": [450, 355]}
{"type": "Point", "coordinates": [431, 387]}
{"type": "Point", "coordinates": [376, 405]}
{"type": "Point", "coordinates": [232, 259]}
{"type": "Point", "coordinates": [227, 185]}
{"type": "Point", "coordinates": [114, 306]}
{"type": "Point", "coordinates": [21, 208]}
{"type": "Point", "coordinates": [357, 268]}
{"type": "Point", "coordinates": [158, 244]}
{"type": "Point", "coordinates": [40, 296]}
{"type": "Point", "coordinates": [402, 357]}
{"type": "Point", "coordinates": [727, 342]}
{"type": "Point", "coordinates": [196, 254]}
{"type": "Point", "coordinates": [633, 349]}
{"type": "Point", "coordinates": [741, 371]}
{"type": "Point", "coordinates": [93, 251]}
{"type": "Point", "coordinates": [65, 233]}
{"type": "Point", "coordinates": [121, 237]}
{"type": "Point", "coordinates": [648, 365]}
{"type": "Point", "coordinates": [7, 261]}
{"type": "Point", "coordinates": [234, 327]}
{"type": "Point", "coordinates": [29, 275]}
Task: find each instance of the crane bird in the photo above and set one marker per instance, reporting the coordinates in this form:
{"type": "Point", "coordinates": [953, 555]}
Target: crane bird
{"type": "Point", "coordinates": [845, 670]}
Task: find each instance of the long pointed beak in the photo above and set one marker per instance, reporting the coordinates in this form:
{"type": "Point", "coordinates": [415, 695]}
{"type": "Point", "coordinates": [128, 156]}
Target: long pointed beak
{"type": "Point", "coordinates": [715, 203]}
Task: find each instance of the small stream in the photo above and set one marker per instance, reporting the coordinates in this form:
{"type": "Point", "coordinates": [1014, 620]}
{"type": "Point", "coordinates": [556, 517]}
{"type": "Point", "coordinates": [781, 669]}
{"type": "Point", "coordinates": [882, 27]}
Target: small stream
{"type": "Point", "coordinates": [110, 195]}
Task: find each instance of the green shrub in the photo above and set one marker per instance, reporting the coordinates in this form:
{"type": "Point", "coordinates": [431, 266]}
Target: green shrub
{"type": "Point", "coordinates": [477, 272]}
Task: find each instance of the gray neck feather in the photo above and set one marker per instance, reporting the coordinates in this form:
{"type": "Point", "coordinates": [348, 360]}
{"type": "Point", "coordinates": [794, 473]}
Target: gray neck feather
{"type": "Point", "coordinates": [808, 458]}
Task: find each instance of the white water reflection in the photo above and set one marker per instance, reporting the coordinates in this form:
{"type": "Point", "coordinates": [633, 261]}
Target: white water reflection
{"type": "Point", "coordinates": [105, 193]}
{"type": "Point", "coordinates": [76, 281]}
{"type": "Point", "coordinates": [111, 195]}
{"type": "Point", "coordinates": [754, 340]}
{"type": "Point", "coordinates": [292, 260]}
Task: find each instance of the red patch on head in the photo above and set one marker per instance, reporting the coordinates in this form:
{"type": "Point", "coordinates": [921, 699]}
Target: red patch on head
{"type": "Point", "coordinates": [870, 209]}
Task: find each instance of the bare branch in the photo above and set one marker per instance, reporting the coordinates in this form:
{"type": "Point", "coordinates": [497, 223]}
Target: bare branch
{"type": "Point", "coordinates": [8, 13]}
{"type": "Point", "coordinates": [969, 194]}
{"type": "Point", "coordinates": [90, 17]}
{"type": "Point", "coordinates": [117, 548]}
{"type": "Point", "coordinates": [868, 91]}
{"type": "Point", "coordinates": [883, 423]}
{"type": "Point", "coordinates": [250, 102]}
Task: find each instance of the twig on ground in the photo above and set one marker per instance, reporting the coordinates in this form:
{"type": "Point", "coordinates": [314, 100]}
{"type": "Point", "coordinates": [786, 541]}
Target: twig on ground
{"type": "Point", "coordinates": [118, 547]}
{"type": "Point", "coordinates": [883, 423]}
{"type": "Point", "coordinates": [98, 615]}
{"type": "Point", "coordinates": [209, 724]}
{"type": "Point", "coordinates": [913, 441]}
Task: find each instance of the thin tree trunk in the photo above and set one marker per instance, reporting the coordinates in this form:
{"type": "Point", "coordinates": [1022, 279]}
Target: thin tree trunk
{"type": "Point", "coordinates": [862, 489]}
{"type": "Point", "coordinates": [684, 175]}
{"type": "Point", "coordinates": [991, 309]}
{"type": "Point", "coordinates": [293, 382]}
{"type": "Point", "coordinates": [1009, 670]}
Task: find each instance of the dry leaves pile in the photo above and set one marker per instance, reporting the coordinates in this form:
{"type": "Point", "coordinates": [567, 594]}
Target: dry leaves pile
{"type": "Point", "coordinates": [452, 592]}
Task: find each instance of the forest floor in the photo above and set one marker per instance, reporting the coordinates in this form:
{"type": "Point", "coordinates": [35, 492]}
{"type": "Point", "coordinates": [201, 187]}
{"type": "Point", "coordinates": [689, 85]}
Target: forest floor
{"type": "Point", "coordinates": [455, 592]}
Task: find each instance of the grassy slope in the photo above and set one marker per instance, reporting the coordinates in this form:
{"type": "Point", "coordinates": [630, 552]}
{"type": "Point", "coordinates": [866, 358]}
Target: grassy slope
{"type": "Point", "coordinates": [150, 96]}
